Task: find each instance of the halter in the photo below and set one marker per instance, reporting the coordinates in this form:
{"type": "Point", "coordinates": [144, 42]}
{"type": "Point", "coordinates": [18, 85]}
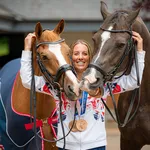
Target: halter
{"type": "Point", "coordinates": [49, 77]}
{"type": "Point", "coordinates": [109, 75]}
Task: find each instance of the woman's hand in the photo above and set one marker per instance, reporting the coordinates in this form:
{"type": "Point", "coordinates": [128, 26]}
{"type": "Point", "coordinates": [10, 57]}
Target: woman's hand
{"type": "Point", "coordinates": [136, 36]}
{"type": "Point", "coordinates": [28, 41]}
{"type": "Point", "coordinates": [96, 93]}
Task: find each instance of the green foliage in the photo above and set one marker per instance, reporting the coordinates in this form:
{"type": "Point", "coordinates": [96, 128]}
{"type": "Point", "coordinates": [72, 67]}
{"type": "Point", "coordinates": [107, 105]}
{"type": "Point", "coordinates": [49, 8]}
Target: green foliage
{"type": "Point", "coordinates": [4, 46]}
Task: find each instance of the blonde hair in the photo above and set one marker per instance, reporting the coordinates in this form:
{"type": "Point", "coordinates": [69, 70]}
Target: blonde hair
{"type": "Point", "coordinates": [81, 41]}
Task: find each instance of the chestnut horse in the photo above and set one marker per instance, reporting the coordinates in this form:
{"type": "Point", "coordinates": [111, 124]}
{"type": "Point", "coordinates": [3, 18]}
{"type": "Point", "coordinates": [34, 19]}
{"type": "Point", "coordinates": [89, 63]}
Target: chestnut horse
{"type": "Point", "coordinates": [111, 42]}
{"type": "Point", "coordinates": [15, 108]}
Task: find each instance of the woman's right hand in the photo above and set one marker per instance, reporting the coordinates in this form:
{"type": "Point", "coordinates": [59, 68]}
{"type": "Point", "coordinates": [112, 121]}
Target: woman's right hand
{"type": "Point", "coordinates": [28, 41]}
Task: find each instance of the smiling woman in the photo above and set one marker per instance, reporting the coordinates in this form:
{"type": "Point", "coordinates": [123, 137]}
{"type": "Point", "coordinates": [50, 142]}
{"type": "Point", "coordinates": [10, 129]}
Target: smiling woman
{"type": "Point", "coordinates": [88, 114]}
{"type": "Point", "coordinates": [81, 53]}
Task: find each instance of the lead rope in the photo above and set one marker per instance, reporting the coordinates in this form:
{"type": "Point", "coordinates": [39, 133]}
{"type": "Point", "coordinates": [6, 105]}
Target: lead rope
{"type": "Point", "coordinates": [33, 97]}
{"type": "Point", "coordinates": [60, 112]}
{"type": "Point", "coordinates": [56, 86]}
{"type": "Point", "coordinates": [33, 101]}
{"type": "Point", "coordinates": [127, 119]}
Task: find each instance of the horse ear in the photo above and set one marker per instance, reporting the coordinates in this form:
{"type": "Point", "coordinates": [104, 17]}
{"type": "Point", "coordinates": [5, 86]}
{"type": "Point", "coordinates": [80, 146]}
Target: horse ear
{"type": "Point", "coordinates": [104, 11]}
{"type": "Point", "coordinates": [132, 16]}
{"type": "Point", "coordinates": [60, 27]}
{"type": "Point", "coordinates": [38, 30]}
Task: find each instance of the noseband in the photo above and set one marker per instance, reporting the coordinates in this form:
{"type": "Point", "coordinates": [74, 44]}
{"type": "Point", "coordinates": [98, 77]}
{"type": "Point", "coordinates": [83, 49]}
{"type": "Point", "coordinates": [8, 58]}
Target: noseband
{"type": "Point", "coordinates": [53, 80]}
{"type": "Point", "coordinates": [109, 75]}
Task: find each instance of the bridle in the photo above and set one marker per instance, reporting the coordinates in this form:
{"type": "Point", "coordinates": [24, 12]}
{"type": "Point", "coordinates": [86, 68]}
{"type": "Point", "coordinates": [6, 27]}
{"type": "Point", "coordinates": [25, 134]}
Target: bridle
{"type": "Point", "coordinates": [109, 75]}
{"type": "Point", "coordinates": [53, 80]}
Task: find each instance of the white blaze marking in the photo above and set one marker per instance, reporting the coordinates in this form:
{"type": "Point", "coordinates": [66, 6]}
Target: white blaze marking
{"type": "Point", "coordinates": [56, 50]}
{"type": "Point", "coordinates": [104, 36]}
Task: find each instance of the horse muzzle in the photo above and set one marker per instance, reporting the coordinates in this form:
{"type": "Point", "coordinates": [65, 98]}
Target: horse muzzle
{"type": "Point", "coordinates": [92, 79]}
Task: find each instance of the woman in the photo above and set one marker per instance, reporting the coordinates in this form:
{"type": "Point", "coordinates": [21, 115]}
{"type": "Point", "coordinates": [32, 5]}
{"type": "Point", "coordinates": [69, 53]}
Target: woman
{"type": "Point", "coordinates": [88, 132]}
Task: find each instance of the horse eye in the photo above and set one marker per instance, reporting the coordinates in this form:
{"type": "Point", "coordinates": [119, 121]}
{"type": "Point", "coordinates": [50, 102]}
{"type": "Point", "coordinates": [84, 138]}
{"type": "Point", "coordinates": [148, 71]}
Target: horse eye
{"type": "Point", "coordinates": [44, 57]}
{"type": "Point", "coordinates": [120, 45]}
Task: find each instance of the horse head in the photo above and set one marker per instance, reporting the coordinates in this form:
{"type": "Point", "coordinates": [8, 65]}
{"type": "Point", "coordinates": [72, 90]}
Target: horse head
{"type": "Point", "coordinates": [54, 60]}
{"type": "Point", "coordinates": [112, 48]}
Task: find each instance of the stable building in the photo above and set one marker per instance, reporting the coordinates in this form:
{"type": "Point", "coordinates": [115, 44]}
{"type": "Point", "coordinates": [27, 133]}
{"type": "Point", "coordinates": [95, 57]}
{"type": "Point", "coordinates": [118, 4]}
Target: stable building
{"type": "Point", "coordinates": [82, 17]}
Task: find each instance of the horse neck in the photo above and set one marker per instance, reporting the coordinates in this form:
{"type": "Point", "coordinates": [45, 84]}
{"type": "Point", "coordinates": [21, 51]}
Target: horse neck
{"type": "Point", "coordinates": [143, 31]}
{"type": "Point", "coordinates": [141, 28]}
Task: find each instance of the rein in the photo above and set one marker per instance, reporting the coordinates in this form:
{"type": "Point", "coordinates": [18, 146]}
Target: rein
{"type": "Point", "coordinates": [53, 80]}
{"type": "Point", "coordinates": [111, 74]}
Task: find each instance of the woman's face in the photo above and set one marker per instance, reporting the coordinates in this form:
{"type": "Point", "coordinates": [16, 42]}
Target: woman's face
{"type": "Point", "coordinates": [80, 57]}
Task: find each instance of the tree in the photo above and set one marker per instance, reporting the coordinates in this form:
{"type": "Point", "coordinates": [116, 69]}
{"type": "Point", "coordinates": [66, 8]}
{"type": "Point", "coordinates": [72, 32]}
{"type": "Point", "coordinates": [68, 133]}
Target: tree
{"type": "Point", "coordinates": [145, 6]}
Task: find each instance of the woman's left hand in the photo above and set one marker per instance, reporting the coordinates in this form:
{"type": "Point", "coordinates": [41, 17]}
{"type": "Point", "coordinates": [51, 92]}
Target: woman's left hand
{"type": "Point", "coordinates": [136, 36]}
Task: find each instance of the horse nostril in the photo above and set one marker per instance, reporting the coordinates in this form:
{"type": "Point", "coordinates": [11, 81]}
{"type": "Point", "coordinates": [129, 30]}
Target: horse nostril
{"type": "Point", "coordinates": [97, 79]}
{"type": "Point", "coordinates": [70, 89]}
{"type": "Point", "coordinates": [98, 83]}
{"type": "Point", "coordinates": [74, 90]}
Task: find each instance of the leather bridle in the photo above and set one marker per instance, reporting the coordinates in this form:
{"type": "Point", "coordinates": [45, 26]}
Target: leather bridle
{"type": "Point", "coordinates": [109, 75]}
{"type": "Point", "coordinates": [53, 80]}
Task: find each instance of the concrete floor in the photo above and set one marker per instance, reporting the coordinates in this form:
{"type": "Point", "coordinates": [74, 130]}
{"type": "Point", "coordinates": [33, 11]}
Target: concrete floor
{"type": "Point", "coordinates": [113, 137]}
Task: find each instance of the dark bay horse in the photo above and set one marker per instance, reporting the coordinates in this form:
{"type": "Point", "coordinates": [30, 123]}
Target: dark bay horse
{"type": "Point", "coordinates": [111, 42]}
{"type": "Point", "coordinates": [15, 107]}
